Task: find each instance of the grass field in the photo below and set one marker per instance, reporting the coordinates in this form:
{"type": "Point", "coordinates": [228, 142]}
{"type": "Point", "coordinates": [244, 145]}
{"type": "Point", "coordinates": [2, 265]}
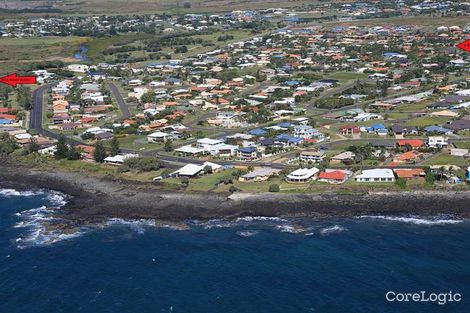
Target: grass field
{"type": "Point", "coordinates": [17, 51]}
{"type": "Point", "coordinates": [155, 6]}
{"type": "Point", "coordinates": [446, 159]}
{"type": "Point", "coordinates": [426, 121]}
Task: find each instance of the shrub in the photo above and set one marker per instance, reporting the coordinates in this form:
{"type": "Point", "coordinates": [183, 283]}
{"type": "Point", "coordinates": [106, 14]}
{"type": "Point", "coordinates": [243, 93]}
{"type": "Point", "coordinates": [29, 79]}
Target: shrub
{"type": "Point", "coordinates": [401, 183]}
{"type": "Point", "coordinates": [143, 164]}
{"type": "Point", "coordinates": [274, 188]}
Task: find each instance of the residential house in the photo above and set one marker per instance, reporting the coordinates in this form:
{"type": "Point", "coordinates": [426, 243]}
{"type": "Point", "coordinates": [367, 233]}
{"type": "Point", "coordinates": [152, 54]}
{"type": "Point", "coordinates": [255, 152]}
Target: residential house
{"type": "Point", "coordinates": [312, 156]}
{"type": "Point", "coordinates": [302, 175]}
{"type": "Point", "coordinates": [347, 130]}
{"type": "Point", "coordinates": [333, 176]}
{"type": "Point", "coordinates": [413, 143]}
{"type": "Point", "coordinates": [437, 142]}
{"type": "Point", "coordinates": [376, 175]}
{"type": "Point", "coordinates": [409, 173]}
{"type": "Point", "coordinates": [259, 174]}
{"type": "Point", "coordinates": [159, 137]}
{"type": "Point", "coordinates": [247, 153]}
{"type": "Point", "coordinates": [119, 159]}
{"type": "Point", "coordinates": [305, 132]}
{"type": "Point", "coordinates": [346, 156]}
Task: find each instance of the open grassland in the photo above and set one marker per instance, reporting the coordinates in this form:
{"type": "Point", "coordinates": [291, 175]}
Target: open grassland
{"type": "Point", "coordinates": [17, 51]}
{"type": "Point", "coordinates": [152, 6]}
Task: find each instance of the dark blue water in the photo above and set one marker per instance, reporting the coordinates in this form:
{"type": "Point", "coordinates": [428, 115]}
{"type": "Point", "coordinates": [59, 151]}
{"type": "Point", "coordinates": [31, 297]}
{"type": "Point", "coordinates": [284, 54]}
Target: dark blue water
{"type": "Point", "coordinates": [248, 267]}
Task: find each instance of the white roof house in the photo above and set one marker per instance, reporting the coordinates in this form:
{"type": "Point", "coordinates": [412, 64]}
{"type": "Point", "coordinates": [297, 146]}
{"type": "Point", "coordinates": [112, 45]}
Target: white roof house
{"type": "Point", "coordinates": [159, 137]}
{"type": "Point", "coordinates": [376, 175]}
{"type": "Point", "coordinates": [208, 141]}
{"type": "Point", "coordinates": [302, 175]}
{"type": "Point", "coordinates": [192, 170]}
{"type": "Point", "coordinates": [119, 159]}
{"type": "Point", "coordinates": [188, 149]}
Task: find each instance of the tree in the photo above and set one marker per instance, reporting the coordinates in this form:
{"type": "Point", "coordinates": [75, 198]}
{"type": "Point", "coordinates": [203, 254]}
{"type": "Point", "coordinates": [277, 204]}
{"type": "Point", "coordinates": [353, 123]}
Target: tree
{"type": "Point", "coordinates": [114, 146]}
{"type": "Point", "coordinates": [25, 97]}
{"type": "Point", "coordinates": [168, 146]}
{"type": "Point", "coordinates": [208, 169]}
{"type": "Point", "coordinates": [73, 153]}
{"type": "Point", "coordinates": [311, 122]}
{"type": "Point", "coordinates": [33, 145]}
{"type": "Point", "coordinates": [7, 144]}
{"type": "Point", "coordinates": [100, 152]}
{"type": "Point", "coordinates": [184, 181]}
{"type": "Point", "coordinates": [401, 183]}
{"type": "Point", "coordinates": [430, 178]}
{"type": "Point", "coordinates": [62, 149]}
{"type": "Point", "coordinates": [142, 164]}
{"type": "Point", "coordinates": [148, 97]}
{"type": "Point", "coordinates": [274, 188]}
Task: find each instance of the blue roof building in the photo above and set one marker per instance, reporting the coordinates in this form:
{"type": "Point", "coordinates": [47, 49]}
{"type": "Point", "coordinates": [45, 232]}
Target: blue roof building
{"type": "Point", "coordinates": [376, 128]}
{"type": "Point", "coordinates": [285, 125]}
{"type": "Point", "coordinates": [4, 121]}
{"type": "Point", "coordinates": [257, 132]}
{"type": "Point", "coordinates": [437, 129]}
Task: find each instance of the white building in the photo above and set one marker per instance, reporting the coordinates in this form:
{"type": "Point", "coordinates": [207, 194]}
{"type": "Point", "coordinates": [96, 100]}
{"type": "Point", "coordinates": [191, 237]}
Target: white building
{"type": "Point", "coordinates": [376, 175]}
{"type": "Point", "coordinates": [78, 68]}
{"type": "Point", "coordinates": [119, 159]}
{"type": "Point", "coordinates": [305, 132]}
{"type": "Point", "coordinates": [312, 156]}
{"type": "Point", "coordinates": [159, 137]}
{"type": "Point", "coordinates": [302, 175]}
{"type": "Point", "coordinates": [437, 142]}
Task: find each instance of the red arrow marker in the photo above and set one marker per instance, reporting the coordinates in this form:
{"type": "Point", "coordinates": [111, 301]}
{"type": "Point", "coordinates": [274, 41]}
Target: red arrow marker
{"type": "Point", "coordinates": [14, 80]}
{"type": "Point", "coordinates": [465, 45]}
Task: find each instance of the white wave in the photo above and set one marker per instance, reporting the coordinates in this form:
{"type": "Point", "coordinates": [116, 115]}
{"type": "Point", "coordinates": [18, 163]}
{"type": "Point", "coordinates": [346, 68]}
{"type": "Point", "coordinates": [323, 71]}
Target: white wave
{"type": "Point", "coordinates": [38, 231]}
{"type": "Point", "coordinates": [293, 229]}
{"type": "Point", "coordinates": [15, 193]}
{"type": "Point", "coordinates": [416, 220]}
{"type": "Point", "coordinates": [259, 218]}
{"type": "Point", "coordinates": [247, 233]}
{"type": "Point", "coordinates": [56, 198]}
{"type": "Point", "coordinates": [137, 225]}
{"type": "Point", "coordinates": [216, 224]}
{"type": "Point", "coordinates": [332, 229]}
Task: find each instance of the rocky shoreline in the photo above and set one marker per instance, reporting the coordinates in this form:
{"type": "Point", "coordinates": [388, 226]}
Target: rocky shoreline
{"type": "Point", "coordinates": [95, 199]}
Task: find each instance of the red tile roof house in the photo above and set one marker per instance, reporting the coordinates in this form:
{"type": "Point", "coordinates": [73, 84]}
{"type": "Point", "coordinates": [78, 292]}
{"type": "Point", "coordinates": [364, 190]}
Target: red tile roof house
{"type": "Point", "coordinates": [413, 143]}
{"type": "Point", "coordinates": [349, 130]}
{"type": "Point", "coordinates": [410, 173]}
{"type": "Point", "coordinates": [333, 176]}
{"type": "Point", "coordinates": [6, 110]}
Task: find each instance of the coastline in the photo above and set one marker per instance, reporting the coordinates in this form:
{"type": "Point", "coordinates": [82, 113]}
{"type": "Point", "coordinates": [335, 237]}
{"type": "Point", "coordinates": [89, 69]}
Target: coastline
{"type": "Point", "coordinates": [94, 199]}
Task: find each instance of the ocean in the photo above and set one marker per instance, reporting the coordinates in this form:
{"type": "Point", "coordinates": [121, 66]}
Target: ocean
{"type": "Point", "coordinates": [248, 265]}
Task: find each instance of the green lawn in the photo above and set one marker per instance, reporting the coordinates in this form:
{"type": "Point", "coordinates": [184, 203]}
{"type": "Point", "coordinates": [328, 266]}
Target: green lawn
{"type": "Point", "coordinates": [17, 51]}
{"type": "Point", "coordinates": [426, 121]}
{"type": "Point", "coordinates": [446, 159]}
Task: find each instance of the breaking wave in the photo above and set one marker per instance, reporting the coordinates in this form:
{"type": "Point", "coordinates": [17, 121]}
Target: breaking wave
{"type": "Point", "coordinates": [247, 233]}
{"type": "Point", "coordinates": [332, 229]}
{"type": "Point", "coordinates": [7, 193]}
{"type": "Point", "coordinates": [40, 225]}
{"type": "Point", "coordinates": [416, 220]}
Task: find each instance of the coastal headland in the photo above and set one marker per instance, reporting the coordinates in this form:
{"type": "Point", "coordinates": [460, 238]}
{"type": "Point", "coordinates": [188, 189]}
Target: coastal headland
{"type": "Point", "coordinates": [95, 199]}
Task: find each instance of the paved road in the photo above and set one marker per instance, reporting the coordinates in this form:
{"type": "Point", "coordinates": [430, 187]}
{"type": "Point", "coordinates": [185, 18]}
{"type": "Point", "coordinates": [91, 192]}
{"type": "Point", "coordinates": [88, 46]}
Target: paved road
{"type": "Point", "coordinates": [35, 120]}
{"type": "Point", "coordinates": [120, 100]}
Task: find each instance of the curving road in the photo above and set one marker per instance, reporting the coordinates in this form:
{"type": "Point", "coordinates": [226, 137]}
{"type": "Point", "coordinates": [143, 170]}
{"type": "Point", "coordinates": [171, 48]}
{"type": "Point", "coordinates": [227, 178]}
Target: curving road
{"type": "Point", "coordinates": [36, 117]}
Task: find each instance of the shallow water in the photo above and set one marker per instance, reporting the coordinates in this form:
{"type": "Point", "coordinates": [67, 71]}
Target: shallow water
{"type": "Point", "coordinates": [248, 265]}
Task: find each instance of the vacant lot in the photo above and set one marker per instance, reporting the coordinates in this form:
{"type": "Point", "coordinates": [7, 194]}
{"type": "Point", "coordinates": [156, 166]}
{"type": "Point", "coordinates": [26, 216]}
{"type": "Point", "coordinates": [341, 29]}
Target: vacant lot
{"type": "Point", "coordinates": [14, 52]}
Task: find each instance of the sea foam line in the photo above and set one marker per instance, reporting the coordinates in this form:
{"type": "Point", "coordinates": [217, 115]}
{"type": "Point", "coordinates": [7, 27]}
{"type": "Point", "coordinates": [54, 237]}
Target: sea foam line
{"type": "Point", "coordinates": [8, 193]}
{"type": "Point", "coordinates": [416, 220]}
